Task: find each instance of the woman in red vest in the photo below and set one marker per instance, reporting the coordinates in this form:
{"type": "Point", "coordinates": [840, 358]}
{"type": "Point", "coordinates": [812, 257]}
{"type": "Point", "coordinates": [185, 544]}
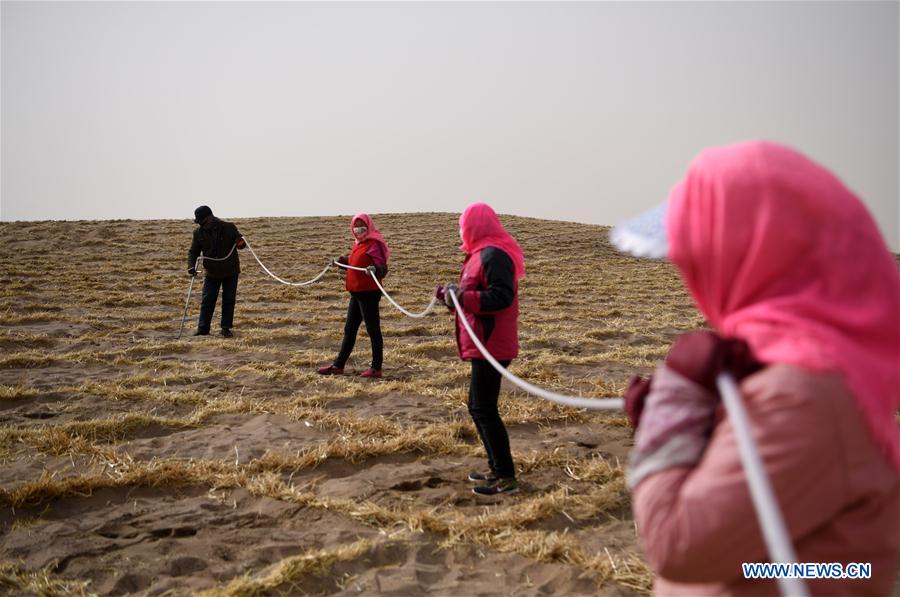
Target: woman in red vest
{"type": "Point", "coordinates": [369, 250]}
{"type": "Point", "coordinates": [488, 292]}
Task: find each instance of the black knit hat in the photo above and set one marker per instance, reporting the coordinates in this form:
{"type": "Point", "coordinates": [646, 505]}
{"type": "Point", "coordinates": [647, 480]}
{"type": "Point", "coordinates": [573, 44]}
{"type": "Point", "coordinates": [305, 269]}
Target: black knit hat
{"type": "Point", "coordinates": [201, 213]}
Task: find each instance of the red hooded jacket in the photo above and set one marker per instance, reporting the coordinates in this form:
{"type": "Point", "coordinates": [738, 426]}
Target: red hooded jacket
{"type": "Point", "coordinates": [364, 254]}
{"type": "Point", "coordinates": [490, 301]}
{"type": "Point", "coordinates": [367, 250]}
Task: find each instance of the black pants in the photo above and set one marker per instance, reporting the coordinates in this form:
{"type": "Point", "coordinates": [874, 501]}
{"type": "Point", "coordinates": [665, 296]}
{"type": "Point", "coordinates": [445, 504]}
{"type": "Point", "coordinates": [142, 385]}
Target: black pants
{"type": "Point", "coordinates": [484, 389]}
{"type": "Point", "coordinates": [363, 307]}
{"type": "Point", "coordinates": [208, 303]}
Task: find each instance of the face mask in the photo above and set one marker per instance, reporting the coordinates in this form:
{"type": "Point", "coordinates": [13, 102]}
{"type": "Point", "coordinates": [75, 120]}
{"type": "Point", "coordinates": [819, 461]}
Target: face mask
{"type": "Point", "coordinates": [359, 231]}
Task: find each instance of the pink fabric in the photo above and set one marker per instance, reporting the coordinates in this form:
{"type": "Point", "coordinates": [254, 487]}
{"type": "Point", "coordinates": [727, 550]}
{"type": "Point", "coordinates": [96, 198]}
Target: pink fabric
{"type": "Point", "coordinates": [840, 500]}
{"type": "Point", "coordinates": [372, 234]}
{"type": "Point", "coordinates": [481, 228]}
{"type": "Point", "coordinates": [777, 251]}
{"type": "Point", "coordinates": [376, 252]}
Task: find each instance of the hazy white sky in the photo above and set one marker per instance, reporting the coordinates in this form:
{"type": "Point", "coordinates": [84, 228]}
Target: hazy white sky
{"type": "Point", "coordinates": [575, 111]}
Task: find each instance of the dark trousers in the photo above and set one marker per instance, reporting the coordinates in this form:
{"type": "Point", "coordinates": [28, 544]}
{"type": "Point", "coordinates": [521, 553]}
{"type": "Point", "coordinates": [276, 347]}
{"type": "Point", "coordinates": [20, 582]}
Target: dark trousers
{"type": "Point", "coordinates": [363, 307]}
{"type": "Point", "coordinates": [208, 302]}
{"type": "Point", "coordinates": [484, 389]}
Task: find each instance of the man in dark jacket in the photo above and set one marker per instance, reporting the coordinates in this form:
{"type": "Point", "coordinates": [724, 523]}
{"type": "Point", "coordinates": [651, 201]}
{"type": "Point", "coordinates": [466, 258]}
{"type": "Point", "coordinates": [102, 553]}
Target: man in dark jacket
{"type": "Point", "coordinates": [216, 243]}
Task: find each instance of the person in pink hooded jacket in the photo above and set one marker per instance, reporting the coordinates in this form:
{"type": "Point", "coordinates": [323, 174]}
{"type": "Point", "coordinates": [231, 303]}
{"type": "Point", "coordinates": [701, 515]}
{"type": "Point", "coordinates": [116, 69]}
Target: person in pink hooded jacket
{"type": "Point", "coordinates": [788, 267]}
{"type": "Point", "coordinates": [488, 293]}
{"type": "Point", "coordinates": [369, 251]}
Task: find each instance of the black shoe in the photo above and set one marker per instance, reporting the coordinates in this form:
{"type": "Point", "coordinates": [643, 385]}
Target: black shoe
{"type": "Point", "coordinates": [201, 333]}
{"type": "Point", "coordinates": [226, 333]}
{"type": "Point", "coordinates": [486, 476]}
{"type": "Point", "coordinates": [497, 487]}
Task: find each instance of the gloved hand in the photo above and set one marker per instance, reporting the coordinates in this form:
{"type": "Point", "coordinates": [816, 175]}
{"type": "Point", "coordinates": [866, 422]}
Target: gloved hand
{"type": "Point", "coordinates": [449, 289]}
{"type": "Point", "coordinates": [439, 293]}
{"type": "Point", "coordinates": [343, 260]}
{"type": "Point", "coordinates": [370, 270]}
{"type": "Point", "coordinates": [679, 410]}
{"type": "Point", "coordinates": [241, 243]}
{"type": "Point", "coordinates": [675, 424]}
{"type": "Point", "coordinates": [701, 356]}
{"type": "Point", "coordinates": [635, 398]}
{"type": "Point", "coordinates": [192, 272]}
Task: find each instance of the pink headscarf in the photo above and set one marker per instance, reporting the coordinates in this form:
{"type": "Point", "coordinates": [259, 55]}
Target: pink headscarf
{"type": "Point", "coordinates": [775, 250]}
{"type": "Point", "coordinates": [372, 234]}
{"type": "Point", "coordinates": [481, 228]}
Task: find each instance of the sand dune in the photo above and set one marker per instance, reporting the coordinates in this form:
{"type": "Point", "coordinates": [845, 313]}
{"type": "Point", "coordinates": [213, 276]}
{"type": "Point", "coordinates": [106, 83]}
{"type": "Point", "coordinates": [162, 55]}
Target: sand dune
{"type": "Point", "coordinates": [134, 462]}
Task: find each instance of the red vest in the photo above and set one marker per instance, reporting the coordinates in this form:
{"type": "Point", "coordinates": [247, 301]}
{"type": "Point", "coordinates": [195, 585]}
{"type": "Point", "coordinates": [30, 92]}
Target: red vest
{"type": "Point", "coordinates": [360, 281]}
{"type": "Point", "coordinates": [503, 339]}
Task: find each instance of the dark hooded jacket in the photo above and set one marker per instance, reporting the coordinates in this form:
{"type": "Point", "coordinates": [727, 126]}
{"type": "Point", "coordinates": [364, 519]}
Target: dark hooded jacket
{"type": "Point", "coordinates": [216, 241]}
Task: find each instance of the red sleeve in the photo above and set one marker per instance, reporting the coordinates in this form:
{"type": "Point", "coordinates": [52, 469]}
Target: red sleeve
{"type": "Point", "coordinates": [376, 254]}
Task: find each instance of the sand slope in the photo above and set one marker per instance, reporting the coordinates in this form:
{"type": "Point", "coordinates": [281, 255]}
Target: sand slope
{"type": "Point", "coordinates": [134, 462]}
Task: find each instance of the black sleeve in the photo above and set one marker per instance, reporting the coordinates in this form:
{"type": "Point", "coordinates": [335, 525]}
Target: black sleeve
{"type": "Point", "coordinates": [234, 237]}
{"type": "Point", "coordinates": [499, 272]}
{"type": "Point", "coordinates": [194, 251]}
{"type": "Point", "coordinates": [234, 234]}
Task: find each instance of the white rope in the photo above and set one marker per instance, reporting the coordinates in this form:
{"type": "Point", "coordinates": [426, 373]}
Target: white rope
{"type": "Point", "coordinates": [345, 266]}
{"type": "Point", "coordinates": [204, 258]}
{"type": "Point", "coordinates": [402, 310]}
{"type": "Point", "coordinates": [387, 296]}
{"type": "Point", "coordinates": [187, 300]}
{"type": "Point", "coordinates": [770, 519]}
{"type": "Point", "coordinates": [285, 282]}
{"type": "Point", "coordinates": [589, 403]}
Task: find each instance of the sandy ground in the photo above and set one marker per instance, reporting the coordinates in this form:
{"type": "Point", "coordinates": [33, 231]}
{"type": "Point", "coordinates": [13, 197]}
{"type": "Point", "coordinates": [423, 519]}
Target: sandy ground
{"type": "Point", "coordinates": [135, 462]}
